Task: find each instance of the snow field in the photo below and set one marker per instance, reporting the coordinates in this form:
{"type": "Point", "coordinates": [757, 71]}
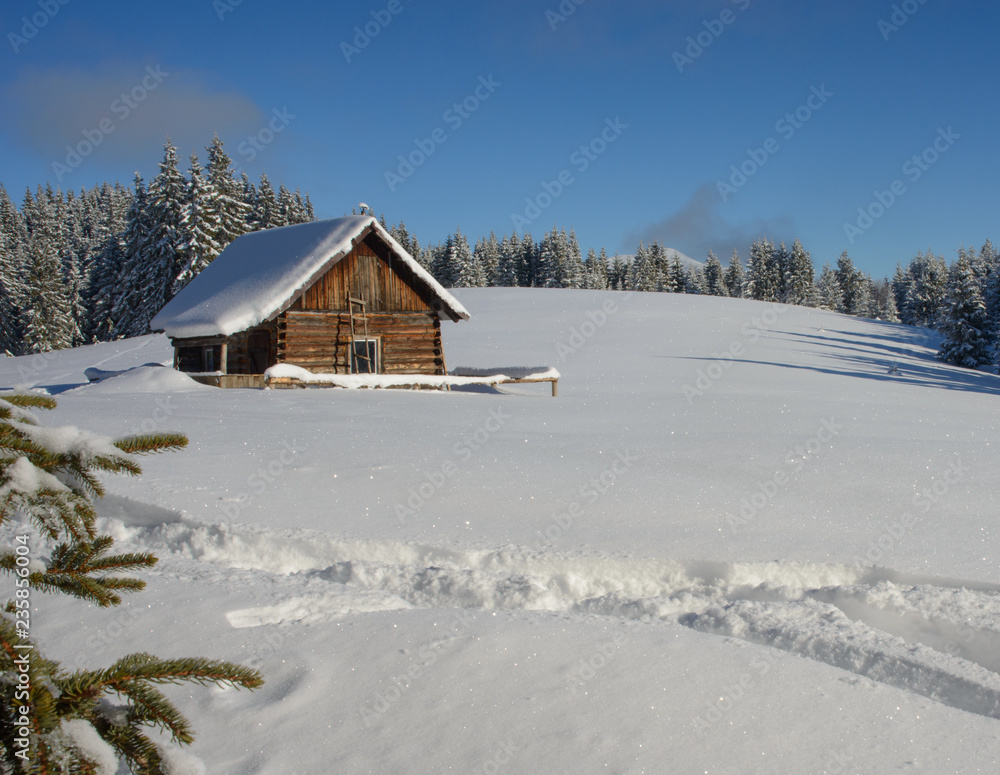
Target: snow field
{"type": "Point", "coordinates": [579, 587]}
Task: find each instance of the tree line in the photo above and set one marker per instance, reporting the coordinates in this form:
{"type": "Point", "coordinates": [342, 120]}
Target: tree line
{"type": "Point", "coordinates": [99, 265]}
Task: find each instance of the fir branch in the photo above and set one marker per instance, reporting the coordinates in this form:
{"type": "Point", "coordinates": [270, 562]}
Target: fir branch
{"type": "Point", "coordinates": [150, 443]}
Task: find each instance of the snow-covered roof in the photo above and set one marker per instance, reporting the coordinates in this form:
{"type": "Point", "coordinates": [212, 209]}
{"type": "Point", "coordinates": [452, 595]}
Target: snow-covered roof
{"type": "Point", "coordinates": [260, 274]}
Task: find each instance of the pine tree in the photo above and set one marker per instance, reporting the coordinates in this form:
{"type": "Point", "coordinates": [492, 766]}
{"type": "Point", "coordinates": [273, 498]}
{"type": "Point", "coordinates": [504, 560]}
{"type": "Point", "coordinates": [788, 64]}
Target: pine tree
{"type": "Point", "coordinates": [202, 246]}
{"type": "Point", "coordinates": [47, 315]}
{"type": "Point", "coordinates": [763, 275]}
{"type": "Point", "coordinates": [926, 299]}
{"type": "Point", "coordinates": [126, 313]}
{"type": "Point", "coordinates": [884, 302]}
{"type": "Point", "coordinates": [715, 284]}
{"type": "Point", "coordinates": [735, 277]}
{"type": "Point", "coordinates": [643, 274]}
{"type": "Point", "coordinates": [168, 240]}
{"type": "Point", "coordinates": [829, 295]}
{"type": "Point", "coordinates": [12, 290]}
{"type": "Point", "coordinates": [694, 278]}
{"type": "Point", "coordinates": [53, 487]}
{"type": "Point", "coordinates": [967, 340]}
{"type": "Point", "coordinates": [488, 255]}
{"type": "Point", "coordinates": [597, 270]}
{"type": "Point", "coordinates": [799, 283]}
{"type": "Point", "coordinates": [618, 274]}
{"type": "Point", "coordinates": [507, 263]}
{"type": "Point", "coordinates": [901, 282]}
{"type": "Point", "coordinates": [850, 281]}
{"type": "Point", "coordinates": [224, 210]}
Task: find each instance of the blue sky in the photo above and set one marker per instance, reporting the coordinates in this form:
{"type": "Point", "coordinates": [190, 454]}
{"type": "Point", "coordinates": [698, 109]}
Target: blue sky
{"type": "Point", "coordinates": [703, 124]}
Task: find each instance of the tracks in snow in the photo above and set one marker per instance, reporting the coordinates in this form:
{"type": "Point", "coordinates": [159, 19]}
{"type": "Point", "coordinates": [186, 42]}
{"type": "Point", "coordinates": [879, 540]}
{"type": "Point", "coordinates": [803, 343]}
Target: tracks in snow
{"type": "Point", "coordinates": [936, 637]}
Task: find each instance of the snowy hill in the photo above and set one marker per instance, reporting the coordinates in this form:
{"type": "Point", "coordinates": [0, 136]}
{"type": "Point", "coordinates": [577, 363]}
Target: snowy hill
{"type": "Point", "coordinates": [735, 543]}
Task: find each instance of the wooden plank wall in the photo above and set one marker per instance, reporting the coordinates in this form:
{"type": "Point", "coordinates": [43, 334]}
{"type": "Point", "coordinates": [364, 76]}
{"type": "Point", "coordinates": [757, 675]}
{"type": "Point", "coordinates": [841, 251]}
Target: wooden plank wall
{"type": "Point", "coordinates": [364, 275]}
{"type": "Point", "coordinates": [320, 341]}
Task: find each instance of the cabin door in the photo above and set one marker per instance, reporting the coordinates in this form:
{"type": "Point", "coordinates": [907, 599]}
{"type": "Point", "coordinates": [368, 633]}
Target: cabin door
{"type": "Point", "coordinates": [259, 351]}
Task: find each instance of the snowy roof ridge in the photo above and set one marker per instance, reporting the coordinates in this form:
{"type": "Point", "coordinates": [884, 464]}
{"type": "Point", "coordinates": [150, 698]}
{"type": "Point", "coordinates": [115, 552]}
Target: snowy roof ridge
{"type": "Point", "coordinates": [260, 274]}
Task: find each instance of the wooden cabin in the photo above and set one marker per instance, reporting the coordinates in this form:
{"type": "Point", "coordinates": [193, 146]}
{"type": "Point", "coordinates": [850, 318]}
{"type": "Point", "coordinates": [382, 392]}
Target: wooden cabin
{"type": "Point", "coordinates": [338, 296]}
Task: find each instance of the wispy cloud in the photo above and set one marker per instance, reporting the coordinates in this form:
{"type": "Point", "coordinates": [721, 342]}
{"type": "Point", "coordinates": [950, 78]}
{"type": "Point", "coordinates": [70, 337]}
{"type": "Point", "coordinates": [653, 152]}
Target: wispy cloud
{"type": "Point", "coordinates": [48, 109]}
{"type": "Point", "coordinates": [699, 227]}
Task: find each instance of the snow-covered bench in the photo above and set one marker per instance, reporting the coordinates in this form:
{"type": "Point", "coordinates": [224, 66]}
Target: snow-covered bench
{"type": "Point", "coordinates": [287, 376]}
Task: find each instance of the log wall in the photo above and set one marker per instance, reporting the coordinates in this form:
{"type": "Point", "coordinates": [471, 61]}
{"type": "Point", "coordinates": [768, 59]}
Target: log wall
{"type": "Point", "coordinates": [320, 341]}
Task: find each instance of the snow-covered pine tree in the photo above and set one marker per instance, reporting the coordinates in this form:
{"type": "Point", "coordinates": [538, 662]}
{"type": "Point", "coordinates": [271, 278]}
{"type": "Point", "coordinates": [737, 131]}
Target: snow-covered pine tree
{"type": "Point", "coordinates": [694, 278]}
{"type": "Point", "coordinates": [990, 258]}
{"type": "Point", "coordinates": [597, 270]}
{"type": "Point", "coordinates": [452, 260]}
{"type": "Point", "coordinates": [799, 282]}
{"type": "Point", "coordinates": [900, 284]}
{"type": "Point", "coordinates": [507, 262]}
{"type": "Point", "coordinates": [575, 272]}
{"type": "Point", "coordinates": [12, 289]}
{"type": "Point", "coordinates": [763, 275]}
{"type": "Point", "coordinates": [829, 295]}
{"type": "Point", "coordinates": [656, 273]}
{"type": "Point", "coordinates": [126, 313]}
{"type": "Point", "coordinates": [735, 277]}
{"type": "Point", "coordinates": [202, 246]}
{"type": "Point", "coordinates": [928, 290]}
{"type": "Point", "coordinates": [267, 212]}
{"type": "Point", "coordinates": [782, 260]}
{"type": "Point", "coordinates": [884, 301]}
{"type": "Point", "coordinates": [964, 323]}
{"type": "Point", "coordinates": [643, 275]}
{"type": "Point", "coordinates": [550, 261]}
{"type": "Point", "coordinates": [488, 255]}
{"type": "Point", "coordinates": [224, 210]}
{"type": "Point", "coordinates": [618, 273]}
{"type": "Point", "coordinates": [52, 487]}
{"type": "Point", "coordinates": [168, 240]}
{"type": "Point", "coordinates": [715, 284]}
{"type": "Point", "coordinates": [47, 314]}
{"type": "Point", "coordinates": [850, 281]}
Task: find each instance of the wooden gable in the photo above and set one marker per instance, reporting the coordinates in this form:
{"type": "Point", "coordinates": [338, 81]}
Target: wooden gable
{"type": "Point", "coordinates": [369, 272]}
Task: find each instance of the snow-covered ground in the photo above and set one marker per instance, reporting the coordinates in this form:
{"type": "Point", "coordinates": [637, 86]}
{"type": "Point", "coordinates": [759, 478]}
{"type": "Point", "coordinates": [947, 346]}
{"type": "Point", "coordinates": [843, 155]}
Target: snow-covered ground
{"type": "Point", "coordinates": [734, 543]}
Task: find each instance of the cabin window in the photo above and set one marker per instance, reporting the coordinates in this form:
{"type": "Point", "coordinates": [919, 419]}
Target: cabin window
{"type": "Point", "coordinates": [365, 356]}
{"type": "Point", "coordinates": [208, 359]}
